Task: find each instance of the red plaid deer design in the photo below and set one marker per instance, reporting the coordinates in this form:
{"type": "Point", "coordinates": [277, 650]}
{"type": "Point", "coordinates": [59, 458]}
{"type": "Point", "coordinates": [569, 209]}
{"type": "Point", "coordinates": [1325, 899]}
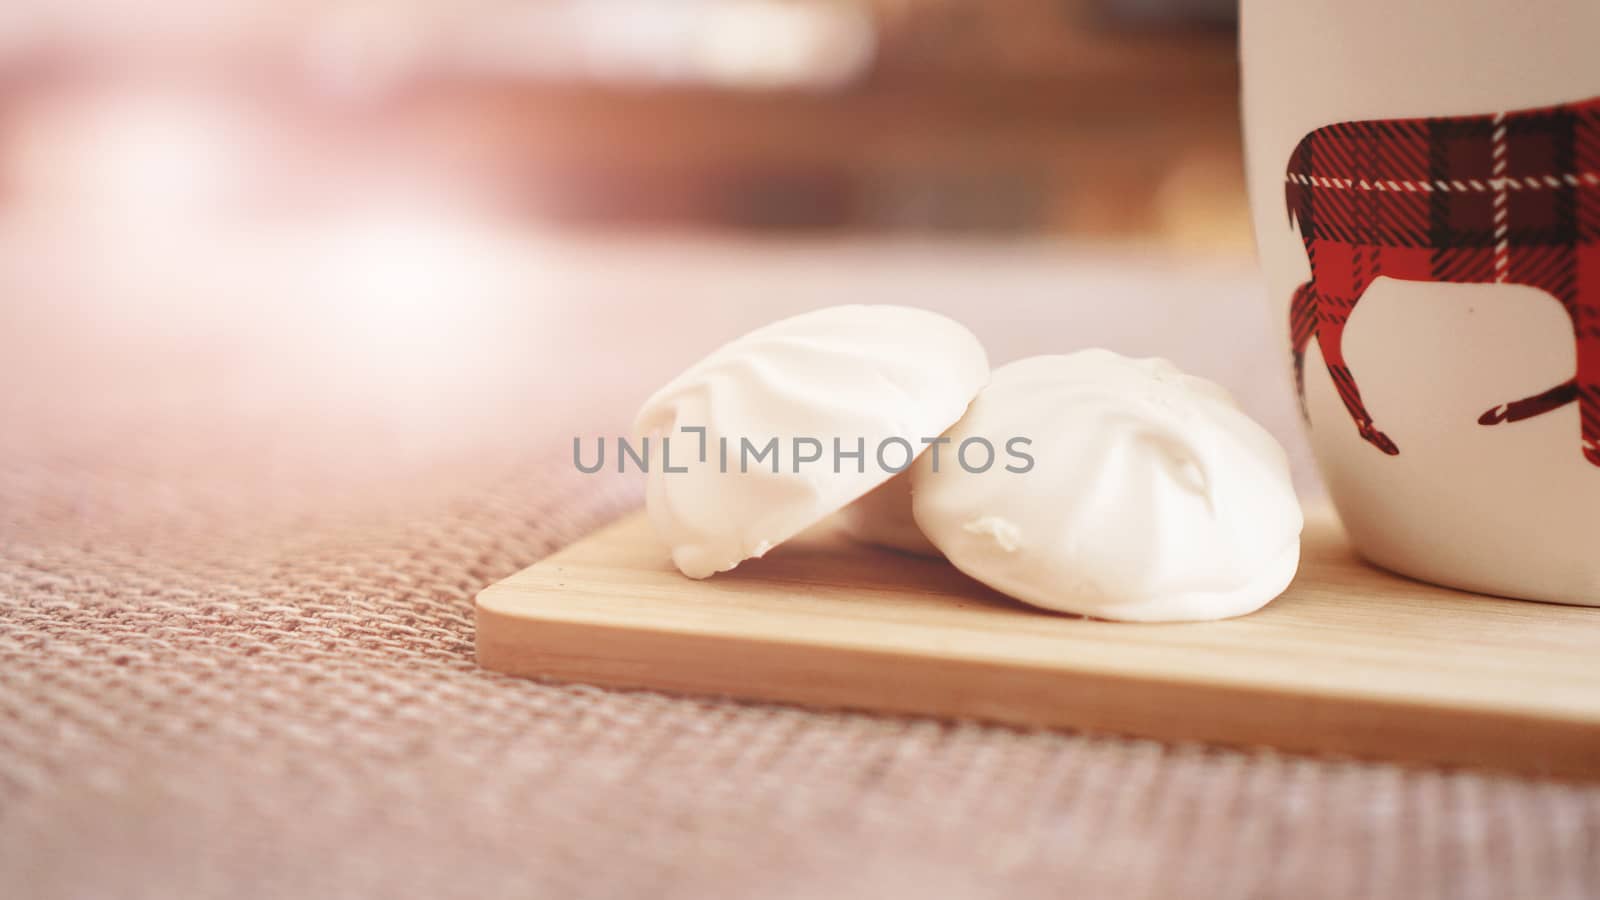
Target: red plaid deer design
{"type": "Point", "coordinates": [1510, 198]}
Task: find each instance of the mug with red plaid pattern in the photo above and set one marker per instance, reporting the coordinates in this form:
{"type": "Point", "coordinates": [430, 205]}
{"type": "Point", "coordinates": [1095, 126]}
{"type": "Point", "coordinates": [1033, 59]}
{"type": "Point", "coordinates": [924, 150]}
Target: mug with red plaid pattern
{"type": "Point", "coordinates": [1425, 178]}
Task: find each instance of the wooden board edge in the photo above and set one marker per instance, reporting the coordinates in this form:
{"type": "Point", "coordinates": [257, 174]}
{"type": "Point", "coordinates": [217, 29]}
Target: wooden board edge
{"type": "Point", "coordinates": [870, 681]}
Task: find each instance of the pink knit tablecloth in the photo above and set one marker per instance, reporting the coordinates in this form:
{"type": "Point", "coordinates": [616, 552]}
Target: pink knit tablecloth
{"type": "Point", "coordinates": [245, 501]}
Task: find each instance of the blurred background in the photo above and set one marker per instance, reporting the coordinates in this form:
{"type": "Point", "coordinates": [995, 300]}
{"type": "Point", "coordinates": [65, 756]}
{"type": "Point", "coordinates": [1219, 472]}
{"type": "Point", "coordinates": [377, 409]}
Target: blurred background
{"type": "Point", "coordinates": [301, 221]}
{"type": "Point", "coordinates": [1102, 118]}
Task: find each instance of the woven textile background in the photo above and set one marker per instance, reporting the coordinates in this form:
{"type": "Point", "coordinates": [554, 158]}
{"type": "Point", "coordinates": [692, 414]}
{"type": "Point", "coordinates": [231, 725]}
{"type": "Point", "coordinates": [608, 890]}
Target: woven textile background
{"type": "Point", "coordinates": [238, 546]}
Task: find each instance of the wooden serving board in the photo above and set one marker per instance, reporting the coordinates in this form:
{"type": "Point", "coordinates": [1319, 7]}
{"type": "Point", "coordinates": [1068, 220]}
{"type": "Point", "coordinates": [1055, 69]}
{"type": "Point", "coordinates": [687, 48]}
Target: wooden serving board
{"type": "Point", "coordinates": [1350, 661]}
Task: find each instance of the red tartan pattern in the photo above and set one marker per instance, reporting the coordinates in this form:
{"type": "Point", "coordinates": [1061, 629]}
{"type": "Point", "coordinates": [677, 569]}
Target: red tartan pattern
{"type": "Point", "coordinates": [1510, 198]}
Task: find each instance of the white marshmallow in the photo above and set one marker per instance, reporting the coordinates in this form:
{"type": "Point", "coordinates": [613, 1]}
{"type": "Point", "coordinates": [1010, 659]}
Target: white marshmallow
{"type": "Point", "coordinates": [883, 517]}
{"type": "Point", "coordinates": [1152, 497]}
{"type": "Point", "coordinates": [861, 375]}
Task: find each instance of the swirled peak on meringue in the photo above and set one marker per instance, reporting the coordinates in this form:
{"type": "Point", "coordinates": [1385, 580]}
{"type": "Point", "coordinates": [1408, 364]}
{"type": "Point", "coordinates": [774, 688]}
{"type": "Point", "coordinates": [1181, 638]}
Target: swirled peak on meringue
{"type": "Point", "coordinates": [1152, 496]}
{"type": "Point", "coordinates": [784, 426]}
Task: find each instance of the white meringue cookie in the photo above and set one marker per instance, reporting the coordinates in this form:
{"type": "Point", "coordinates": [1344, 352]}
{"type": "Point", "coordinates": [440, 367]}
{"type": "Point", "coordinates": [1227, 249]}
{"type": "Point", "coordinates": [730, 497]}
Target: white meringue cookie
{"type": "Point", "coordinates": [883, 517]}
{"type": "Point", "coordinates": [856, 375]}
{"type": "Point", "coordinates": [1152, 496]}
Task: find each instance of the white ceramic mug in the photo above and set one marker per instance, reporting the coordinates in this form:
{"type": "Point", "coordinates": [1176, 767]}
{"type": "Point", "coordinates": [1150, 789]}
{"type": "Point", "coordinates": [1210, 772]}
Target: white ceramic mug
{"type": "Point", "coordinates": [1425, 178]}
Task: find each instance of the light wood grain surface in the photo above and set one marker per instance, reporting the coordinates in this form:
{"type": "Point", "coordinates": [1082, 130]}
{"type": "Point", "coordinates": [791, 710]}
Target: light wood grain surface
{"type": "Point", "coordinates": [1350, 661]}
